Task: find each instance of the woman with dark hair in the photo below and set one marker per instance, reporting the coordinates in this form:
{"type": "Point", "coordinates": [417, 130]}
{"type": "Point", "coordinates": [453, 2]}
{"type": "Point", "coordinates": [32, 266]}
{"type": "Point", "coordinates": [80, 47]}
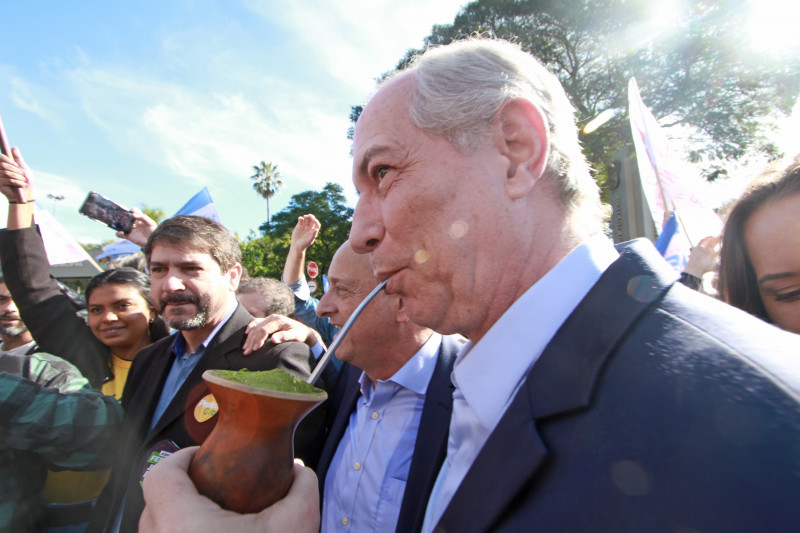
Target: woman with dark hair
{"type": "Point", "coordinates": [121, 316]}
{"type": "Point", "coordinates": [759, 269]}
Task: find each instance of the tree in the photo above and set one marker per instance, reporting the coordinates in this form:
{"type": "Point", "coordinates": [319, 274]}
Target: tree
{"type": "Point", "coordinates": [258, 256]}
{"type": "Point", "coordinates": [694, 71]}
{"type": "Point", "coordinates": [267, 183]}
{"type": "Point", "coordinates": [94, 249]}
{"type": "Point", "coordinates": [156, 213]}
{"type": "Point", "coordinates": [265, 255]}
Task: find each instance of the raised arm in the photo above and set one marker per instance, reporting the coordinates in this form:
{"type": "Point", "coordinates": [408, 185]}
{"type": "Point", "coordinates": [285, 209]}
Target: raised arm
{"type": "Point", "coordinates": [303, 235]}
{"type": "Point", "coordinates": [45, 310]}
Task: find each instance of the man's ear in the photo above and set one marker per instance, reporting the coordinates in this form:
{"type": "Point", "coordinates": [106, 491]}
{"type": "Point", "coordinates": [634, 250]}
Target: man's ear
{"type": "Point", "coordinates": [235, 276]}
{"type": "Point", "coordinates": [400, 311]}
{"type": "Point", "coordinates": [524, 141]}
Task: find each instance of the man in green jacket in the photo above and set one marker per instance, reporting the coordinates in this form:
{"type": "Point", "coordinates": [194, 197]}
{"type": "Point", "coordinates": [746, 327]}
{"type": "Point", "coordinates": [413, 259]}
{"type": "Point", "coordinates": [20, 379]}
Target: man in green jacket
{"type": "Point", "coordinates": [49, 415]}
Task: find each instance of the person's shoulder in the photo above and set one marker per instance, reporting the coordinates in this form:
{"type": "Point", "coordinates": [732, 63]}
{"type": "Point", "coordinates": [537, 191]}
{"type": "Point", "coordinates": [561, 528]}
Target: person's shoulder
{"type": "Point", "coordinates": [293, 357]}
{"type": "Point", "coordinates": [160, 348]}
{"type": "Point", "coordinates": [767, 349]}
{"type": "Point", "coordinates": [52, 371]}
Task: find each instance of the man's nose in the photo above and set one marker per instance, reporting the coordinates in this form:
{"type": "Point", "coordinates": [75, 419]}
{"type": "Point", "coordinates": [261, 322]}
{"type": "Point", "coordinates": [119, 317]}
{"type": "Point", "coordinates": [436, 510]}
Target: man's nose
{"type": "Point", "coordinates": [173, 282]}
{"type": "Point", "coordinates": [367, 230]}
{"type": "Point", "coordinates": [324, 306]}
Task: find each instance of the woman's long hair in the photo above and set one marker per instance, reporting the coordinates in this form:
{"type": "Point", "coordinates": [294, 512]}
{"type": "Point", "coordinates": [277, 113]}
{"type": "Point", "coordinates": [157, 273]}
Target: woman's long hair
{"type": "Point", "coordinates": [738, 284]}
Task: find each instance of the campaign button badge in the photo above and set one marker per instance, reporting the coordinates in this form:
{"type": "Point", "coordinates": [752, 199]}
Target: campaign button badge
{"type": "Point", "coordinates": [206, 408]}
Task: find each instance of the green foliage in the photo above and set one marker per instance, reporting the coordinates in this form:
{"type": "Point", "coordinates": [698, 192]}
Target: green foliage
{"type": "Point", "coordinates": [265, 255]}
{"type": "Point", "coordinates": [156, 213]}
{"type": "Point", "coordinates": [695, 70]}
{"type": "Point", "coordinates": [94, 249]}
{"type": "Point", "coordinates": [259, 257]}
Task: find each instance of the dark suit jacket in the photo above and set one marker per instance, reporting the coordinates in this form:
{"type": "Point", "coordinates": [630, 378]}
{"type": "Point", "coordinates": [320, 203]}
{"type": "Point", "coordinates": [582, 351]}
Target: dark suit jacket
{"type": "Point", "coordinates": [654, 408]}
{"type": "Point", "coordinates": [178, 424]}
{"type": "Point", "coordinates": [430, 448]}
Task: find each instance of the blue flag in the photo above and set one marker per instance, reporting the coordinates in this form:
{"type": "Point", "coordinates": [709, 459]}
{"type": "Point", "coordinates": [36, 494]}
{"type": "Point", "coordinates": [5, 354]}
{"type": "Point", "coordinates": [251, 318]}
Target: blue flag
{"type": "Point", "coordinates": [200, 205]}
{"type": "Point", "coordinates": [673, 245]}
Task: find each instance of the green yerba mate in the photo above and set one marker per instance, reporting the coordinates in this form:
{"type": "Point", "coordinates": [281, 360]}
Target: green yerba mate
{"type": "Point", "coordinates": [276, 380]}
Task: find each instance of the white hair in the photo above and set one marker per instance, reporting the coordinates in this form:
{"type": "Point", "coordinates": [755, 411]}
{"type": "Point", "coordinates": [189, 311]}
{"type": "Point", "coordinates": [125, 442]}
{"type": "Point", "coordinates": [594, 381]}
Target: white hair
{"type": "Point", "coordinates": [459, 89]}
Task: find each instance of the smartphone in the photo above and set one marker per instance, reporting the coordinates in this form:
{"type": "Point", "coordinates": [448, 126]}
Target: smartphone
{"type": "Point", "coordinates": [103, 210]}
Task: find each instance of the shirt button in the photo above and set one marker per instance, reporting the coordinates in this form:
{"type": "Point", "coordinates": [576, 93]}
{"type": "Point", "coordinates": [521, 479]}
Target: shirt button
{"type": "Point", "coordinates": [357, 466]}
{"type": "Point", "coordinates": [345, 521]}
{"type": "Point", "coordinates": [375, 415]}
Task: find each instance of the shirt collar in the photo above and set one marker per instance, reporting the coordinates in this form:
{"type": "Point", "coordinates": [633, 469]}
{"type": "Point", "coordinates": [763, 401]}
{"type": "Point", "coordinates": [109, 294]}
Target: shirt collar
{"type": "Point", "coordinates": [489, 377]}
{"type": "Point", "coordinates": [179, 344]}
{"type": "Point", "coordinates": [415, 375]}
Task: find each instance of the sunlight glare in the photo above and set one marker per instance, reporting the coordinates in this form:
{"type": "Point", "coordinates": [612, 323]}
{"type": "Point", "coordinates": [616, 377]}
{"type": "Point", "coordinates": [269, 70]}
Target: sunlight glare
{"type": "Point", "coordinates": [772, 26]}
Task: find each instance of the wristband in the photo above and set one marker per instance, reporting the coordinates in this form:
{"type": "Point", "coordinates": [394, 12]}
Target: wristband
{"type": "Point", "coordinates": [26, 202]}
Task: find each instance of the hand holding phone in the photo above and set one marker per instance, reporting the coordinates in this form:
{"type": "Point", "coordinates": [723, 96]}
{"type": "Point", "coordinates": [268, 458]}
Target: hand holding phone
{"type": "Point", "coordinates": [103, 210]}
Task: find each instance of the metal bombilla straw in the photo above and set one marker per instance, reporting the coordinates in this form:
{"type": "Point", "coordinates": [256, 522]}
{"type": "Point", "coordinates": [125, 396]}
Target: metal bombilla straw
{"type": "Point", "coordinates": [312, 379]}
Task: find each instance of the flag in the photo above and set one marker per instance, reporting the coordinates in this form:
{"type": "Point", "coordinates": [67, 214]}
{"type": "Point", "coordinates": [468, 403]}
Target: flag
{"type": "Point", "coordinates": [673, 245]}
{"type": "Point", "coordinates": [200, 205]}
{"type": "Point", "coordinates": [119, 248]}
{"type": "Point", "coordinates": [668, 183]}
{"type": "Point", "coordinates": [59, 245]}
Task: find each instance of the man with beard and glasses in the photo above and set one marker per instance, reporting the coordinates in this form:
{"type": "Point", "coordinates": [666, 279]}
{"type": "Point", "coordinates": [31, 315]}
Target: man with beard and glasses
{"type": "Point", "coordinates": [195, 266]}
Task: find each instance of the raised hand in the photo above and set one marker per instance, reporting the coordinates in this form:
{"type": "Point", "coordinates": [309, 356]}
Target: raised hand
{"type": "Point", "coordinates": [305, 231]}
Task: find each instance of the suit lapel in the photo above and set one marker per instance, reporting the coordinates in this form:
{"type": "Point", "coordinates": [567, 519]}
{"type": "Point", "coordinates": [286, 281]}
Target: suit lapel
{"type": "Point", "coordinates": [494, 476]}
{"type": "Point", "coordinates": [430, 447]}
{"type": "Point", "coordinates": [227, 339]}
{"type": "Point", "coordinates": [562, 380]}
{"type": "Point", "coordinates": [141, 393]}
{"type": "Point", "coordinates": [350, 389]}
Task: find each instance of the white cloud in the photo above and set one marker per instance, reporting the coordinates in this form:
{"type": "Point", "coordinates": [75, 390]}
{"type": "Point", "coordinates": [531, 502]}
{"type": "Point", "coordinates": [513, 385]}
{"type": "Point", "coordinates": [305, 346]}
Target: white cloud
{"type": "Point", "coordinates": [358, 40]}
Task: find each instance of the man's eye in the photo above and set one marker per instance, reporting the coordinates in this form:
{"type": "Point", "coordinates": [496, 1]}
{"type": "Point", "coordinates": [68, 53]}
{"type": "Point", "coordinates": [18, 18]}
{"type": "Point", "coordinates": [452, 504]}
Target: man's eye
{"type": "Point", "coordinates": [381, 172]}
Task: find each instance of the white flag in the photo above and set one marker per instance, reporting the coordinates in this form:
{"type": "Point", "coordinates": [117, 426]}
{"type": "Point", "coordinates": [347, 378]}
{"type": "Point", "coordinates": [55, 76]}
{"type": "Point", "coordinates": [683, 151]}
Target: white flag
{"type": "Point", "coordinates": [61, 248]}
{"type": "Point", "coordinates": [663, 172]}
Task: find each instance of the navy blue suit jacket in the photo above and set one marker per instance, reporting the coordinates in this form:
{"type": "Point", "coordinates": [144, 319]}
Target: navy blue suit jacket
{"type": "Point", "coordinates": [654, 408]}
{"type": "Point", "coordinates": [430, 448]}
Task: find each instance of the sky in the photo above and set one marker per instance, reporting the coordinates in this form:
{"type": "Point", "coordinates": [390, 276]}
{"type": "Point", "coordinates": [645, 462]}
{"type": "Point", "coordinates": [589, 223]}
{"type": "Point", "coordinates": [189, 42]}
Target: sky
{"type": "Point", "coordinates": [148, 102]}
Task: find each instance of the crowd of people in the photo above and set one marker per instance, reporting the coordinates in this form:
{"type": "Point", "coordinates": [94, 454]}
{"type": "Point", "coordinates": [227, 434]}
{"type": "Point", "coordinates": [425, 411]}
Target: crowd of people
{"type": "Point", "coordinates": [518, 372]}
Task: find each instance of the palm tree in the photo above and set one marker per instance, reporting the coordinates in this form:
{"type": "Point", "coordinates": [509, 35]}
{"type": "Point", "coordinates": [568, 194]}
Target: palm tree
{"type": "Point", "coordinates": [267, 182]}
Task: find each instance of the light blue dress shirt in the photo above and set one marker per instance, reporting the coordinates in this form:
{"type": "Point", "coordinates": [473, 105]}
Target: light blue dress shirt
{"type": "Point", "coordinates": [305, 310]}
{"type": "Point", "coordinates": [183, 365]}
{"type": "Point", "coordinates": [488, 374]}
{"type": "Point", "coordinates": [367, 476]}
